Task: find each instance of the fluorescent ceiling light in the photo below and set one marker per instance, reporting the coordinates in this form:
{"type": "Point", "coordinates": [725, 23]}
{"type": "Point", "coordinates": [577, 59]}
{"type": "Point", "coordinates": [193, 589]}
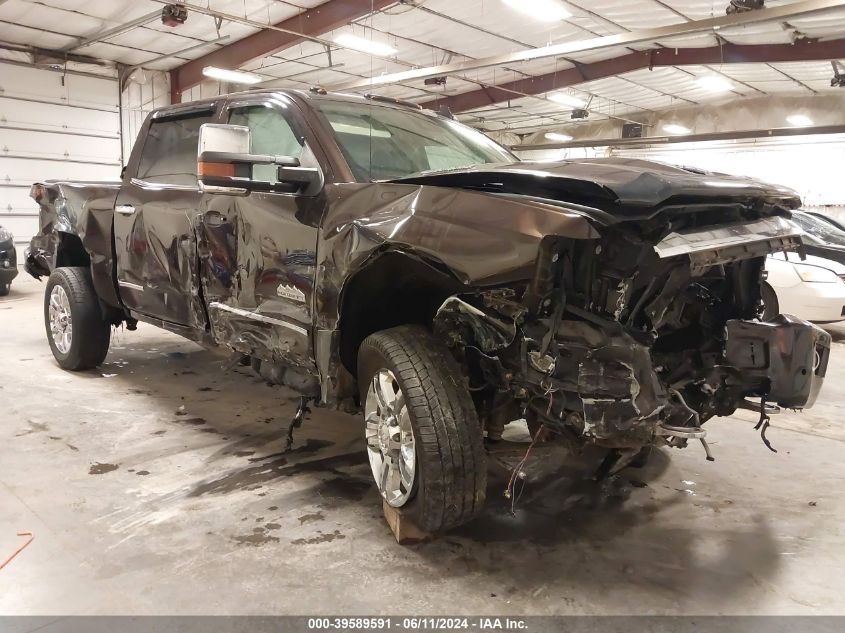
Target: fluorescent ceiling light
{"type": "Point", "coordinates": [567, 99]}
{"type": "Point", "coordinates": [231, 76]}
{"type": "Point", "coordinates": [543, 10]}
{"type": "Point", "coordinates": [557, 136]}
{"type": "Point", "coordinates": [799, 120]}
{"type": "Point", "coordinates": [347, 40]}
{"type": "Point", "coordinates": [714, 83]}
{"type": "Point", "coordinates": [674, 128]}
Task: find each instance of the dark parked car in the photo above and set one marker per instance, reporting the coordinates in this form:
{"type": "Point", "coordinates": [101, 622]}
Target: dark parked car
{"type": "Point", "coordinates": [375, 255]}
{"type": "Point", "coordinates": [823, 238]}
{"type": "Point", "coordinates": [827, 218]}
{"type": "Point", "coordinates": [8, 261]}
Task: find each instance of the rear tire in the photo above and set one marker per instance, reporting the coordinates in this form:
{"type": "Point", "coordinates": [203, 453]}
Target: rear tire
{"type": "Point", "coordinates": [76, 330]}
{"type": "Point", "coordinates": [449, 468]}
{"type": "Point", "coordinates": [771, 308]}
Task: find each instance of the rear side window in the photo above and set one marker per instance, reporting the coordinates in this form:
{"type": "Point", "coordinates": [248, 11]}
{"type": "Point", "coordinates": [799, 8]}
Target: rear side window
{"type": "Point", "coordinates": [170, 150]}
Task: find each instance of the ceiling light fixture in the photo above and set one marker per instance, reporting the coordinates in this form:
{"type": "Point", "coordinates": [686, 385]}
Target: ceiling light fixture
{"type": "Point", "coordinates": [230, 76]}
{"type": "Point", "coordinates": [799, 120]}
{"type": "Point", "coordinates": [567, 99]}
{"type": "Point", "coordinates": [674, 128]}
{"type": "Point", "coordinates": [557, 137]}
{"type": "Point", "coordinates": [543, 10]}
{"type": "Point", "coordinates": [347, 40]}
{"type": "Point", "coordinates": [714, 83]}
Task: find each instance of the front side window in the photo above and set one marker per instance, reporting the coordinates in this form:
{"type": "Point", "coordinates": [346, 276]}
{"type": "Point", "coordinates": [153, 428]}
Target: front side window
{"type": "Point", "coordinates": [383, 143]}
{"type": "Point", "coordinates": [169, 155]}
{"type": "Point", "coordinates": [270, 133]}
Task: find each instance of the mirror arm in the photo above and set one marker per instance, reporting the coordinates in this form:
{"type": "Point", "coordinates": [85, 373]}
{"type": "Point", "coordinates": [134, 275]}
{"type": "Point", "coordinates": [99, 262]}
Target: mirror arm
{"type": "Point", "coordinates": [253, 159]}
{"type": "Point", "coordinates": [296, 174]}
{"type": "Point", "coordinates": [309, 178]}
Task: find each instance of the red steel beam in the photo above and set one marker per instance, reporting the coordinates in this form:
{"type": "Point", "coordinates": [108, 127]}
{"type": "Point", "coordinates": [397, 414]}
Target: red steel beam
{"type": "Point", "coordinates": [803, 50]}
{"type": "Point", "coordinates": [313, 23]}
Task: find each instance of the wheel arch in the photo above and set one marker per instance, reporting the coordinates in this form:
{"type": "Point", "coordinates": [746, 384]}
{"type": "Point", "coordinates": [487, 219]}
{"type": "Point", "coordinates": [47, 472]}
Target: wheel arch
{"type": "Point", "coordinates": [70, 251]}
{"type": "Point", "coordinates": [395, 287]}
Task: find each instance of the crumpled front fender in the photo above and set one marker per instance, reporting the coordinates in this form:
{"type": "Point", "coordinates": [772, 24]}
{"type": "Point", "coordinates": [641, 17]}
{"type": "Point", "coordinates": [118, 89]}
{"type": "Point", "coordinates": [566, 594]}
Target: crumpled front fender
{"type": "Point", "coordinates": [482, 238]}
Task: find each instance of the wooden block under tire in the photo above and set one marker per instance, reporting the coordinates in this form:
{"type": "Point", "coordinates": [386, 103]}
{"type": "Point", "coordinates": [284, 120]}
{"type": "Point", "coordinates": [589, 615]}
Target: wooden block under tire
{"type": "Point", "coordinates": [405, 530]}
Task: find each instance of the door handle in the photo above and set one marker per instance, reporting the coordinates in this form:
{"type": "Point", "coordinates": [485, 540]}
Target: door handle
{"type": "Point", "coordinates": [125, 209]}
{"type": "Point", "coordinates": [213, 218]}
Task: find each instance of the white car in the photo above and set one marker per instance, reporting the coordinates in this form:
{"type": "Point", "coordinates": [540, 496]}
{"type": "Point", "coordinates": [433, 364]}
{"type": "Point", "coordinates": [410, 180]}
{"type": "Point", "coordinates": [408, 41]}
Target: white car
{"type": "Point", "coordinates": [811, 289]}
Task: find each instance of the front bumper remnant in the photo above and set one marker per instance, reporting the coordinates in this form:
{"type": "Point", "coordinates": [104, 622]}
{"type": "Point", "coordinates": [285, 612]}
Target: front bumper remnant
{"type": "Point", "coordinates": [611, 390]}
{"type": "Point", "coordinates": [786, 356]}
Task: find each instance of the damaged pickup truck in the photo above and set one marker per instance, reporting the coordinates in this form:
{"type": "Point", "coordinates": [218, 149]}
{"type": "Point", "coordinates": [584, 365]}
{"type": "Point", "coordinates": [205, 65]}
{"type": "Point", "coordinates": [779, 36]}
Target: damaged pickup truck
{"type": "Point", "coordinates": [374, 255]}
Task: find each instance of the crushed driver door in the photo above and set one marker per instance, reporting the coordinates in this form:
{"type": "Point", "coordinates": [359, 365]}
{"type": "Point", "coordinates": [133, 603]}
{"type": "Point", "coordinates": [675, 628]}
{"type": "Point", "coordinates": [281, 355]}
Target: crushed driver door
{"type": "Point", "coordinates": [258, 252]}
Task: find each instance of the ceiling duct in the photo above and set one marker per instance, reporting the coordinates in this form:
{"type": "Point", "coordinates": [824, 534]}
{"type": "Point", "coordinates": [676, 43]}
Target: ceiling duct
{"type": "Point", "coordinates": [173, 15]}
{"type": "Point", "coordinates": [741, 6]}
{"type": "Point", "coordinates": [632, 130]}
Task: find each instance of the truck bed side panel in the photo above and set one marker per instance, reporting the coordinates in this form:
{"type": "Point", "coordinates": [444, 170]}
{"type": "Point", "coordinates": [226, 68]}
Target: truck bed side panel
{"type": "Point", "coordinates": [83, 210]}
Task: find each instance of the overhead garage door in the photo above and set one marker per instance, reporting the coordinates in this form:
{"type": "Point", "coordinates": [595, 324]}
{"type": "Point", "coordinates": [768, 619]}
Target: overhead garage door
{"type": "Point", "coordinates": [52, 127]}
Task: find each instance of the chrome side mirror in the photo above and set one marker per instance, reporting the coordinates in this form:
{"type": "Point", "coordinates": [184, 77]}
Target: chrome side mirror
{"type": "Point", "coordinates": [225, 165]}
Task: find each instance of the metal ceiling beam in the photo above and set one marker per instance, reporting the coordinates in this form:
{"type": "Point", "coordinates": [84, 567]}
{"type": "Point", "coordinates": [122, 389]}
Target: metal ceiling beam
{"type": "Point", "coordinates": [804, 50]}
{"type": "Point", "coordinates": [300, 28]}
{"type": "Point", "coordinates": [690, 138]}
{"type": "Point", "coordinates": [643, 36]}
{"type": "Point", "coordinates": [126, 71]}
{"type": "Point", "coordinates": [121, 28]}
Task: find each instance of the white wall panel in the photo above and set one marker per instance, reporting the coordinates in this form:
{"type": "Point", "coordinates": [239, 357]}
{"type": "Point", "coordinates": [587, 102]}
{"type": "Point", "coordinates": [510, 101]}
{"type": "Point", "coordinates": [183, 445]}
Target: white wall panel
{"type": "Point", "coordinates": [52, 127]}
{"type": "Point", "coordinates": [15, 200]}
{"type": "Point", "coordinates": [14, 171]}
{"type": "Point", "coordinates": [57, 117]}
{"type": "Point", "coordinates": [54, 87]}
{"type": "Point", "coordinates": [66, 146]}
{"type": "Point", "coordinates": [20, 225]}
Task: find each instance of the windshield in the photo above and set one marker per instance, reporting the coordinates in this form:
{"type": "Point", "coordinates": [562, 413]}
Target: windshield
{"type": "Point", "coordinates": [820, 230]}
{"type": "Point", "coordinates": [382, 143]}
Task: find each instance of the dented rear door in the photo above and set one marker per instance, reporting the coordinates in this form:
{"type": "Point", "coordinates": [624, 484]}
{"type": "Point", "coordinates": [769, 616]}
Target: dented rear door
{"type": "Point", "coordinates": [155, 242]}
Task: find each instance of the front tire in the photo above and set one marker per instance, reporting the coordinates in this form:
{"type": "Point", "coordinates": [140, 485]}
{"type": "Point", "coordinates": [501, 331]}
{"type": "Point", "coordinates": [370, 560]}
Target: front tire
{"type": "Point", "coordinates": [423, 436]}
{"type": "Point", "coordinates": [76, 330]}
{"type": "Point", "coordinates": [4, 289]}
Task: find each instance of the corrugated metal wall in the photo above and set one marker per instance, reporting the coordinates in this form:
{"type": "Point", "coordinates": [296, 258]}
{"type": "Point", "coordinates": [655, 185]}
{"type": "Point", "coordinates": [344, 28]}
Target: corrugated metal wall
{"type": "Point", "coordinates": [52, 126]}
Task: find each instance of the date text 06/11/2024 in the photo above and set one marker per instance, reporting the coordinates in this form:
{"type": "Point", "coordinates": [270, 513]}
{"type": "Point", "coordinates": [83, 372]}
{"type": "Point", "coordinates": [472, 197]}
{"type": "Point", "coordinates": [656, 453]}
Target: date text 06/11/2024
{"type": "Point", "coordinates": [429, 623]}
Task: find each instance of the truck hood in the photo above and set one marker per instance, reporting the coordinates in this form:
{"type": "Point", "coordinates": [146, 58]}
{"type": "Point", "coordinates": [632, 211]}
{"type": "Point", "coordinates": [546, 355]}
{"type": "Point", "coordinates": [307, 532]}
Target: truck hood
{"type": "Point", "coordinates": [625, 189]}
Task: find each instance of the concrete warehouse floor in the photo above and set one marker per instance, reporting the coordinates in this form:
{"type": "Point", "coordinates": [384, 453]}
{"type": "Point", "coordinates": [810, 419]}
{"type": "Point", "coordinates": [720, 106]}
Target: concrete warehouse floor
{"type": "Point", "coordinates": [137, 509]}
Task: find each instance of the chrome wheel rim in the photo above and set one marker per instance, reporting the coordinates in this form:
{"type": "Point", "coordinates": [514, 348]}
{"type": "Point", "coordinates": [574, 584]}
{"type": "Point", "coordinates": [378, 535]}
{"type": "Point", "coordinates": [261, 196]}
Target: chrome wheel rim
{"type": "Point", "coordinates": [390, 439]}
{"type": "Point", "coordinates": [61, 322]}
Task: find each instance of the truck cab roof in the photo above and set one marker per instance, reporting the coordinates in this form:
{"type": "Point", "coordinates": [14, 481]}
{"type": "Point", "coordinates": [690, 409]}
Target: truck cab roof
{"type": "Point", "coordinates": [303, 96]}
